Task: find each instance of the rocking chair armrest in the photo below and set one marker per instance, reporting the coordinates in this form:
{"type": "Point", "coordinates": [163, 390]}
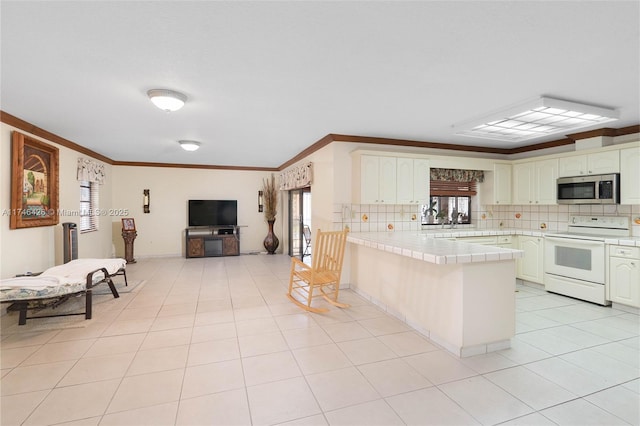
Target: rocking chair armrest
{"type": "Point", "coordinates": [297, 262]}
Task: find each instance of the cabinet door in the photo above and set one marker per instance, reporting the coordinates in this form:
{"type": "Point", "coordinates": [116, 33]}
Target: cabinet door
{"type": "Point", "coordinates": [546, 185]}
{"type": "Point", "coordinates": [230, 246]}
{"type": "Point", "coordinates": [421, 181]}
{"type": "Point", "coordinates": [572, 166]}
{"type": "Point", "coordinates": [412, 181]}
{"type": "Point", "coordinates": [523, 183]}
{"type": "Point", "coordinates": [630, 176]}
{"type": "Point", "coordinates": [603, 162]}
{"type": "Point", "coordinates": [624, 281]}
{"type": "Point", "coordinates": [387, 180]}
{"type": "Point", "coordinates": [529, 267]}
{"type": "Point", "coordinates": [502, 183]}
{"type": "Point", "coordinates": [404, 184]}
{"type": "Point", "coordinates": [369, 179]}
{"type": "Point", "coordinates": [195, 247]}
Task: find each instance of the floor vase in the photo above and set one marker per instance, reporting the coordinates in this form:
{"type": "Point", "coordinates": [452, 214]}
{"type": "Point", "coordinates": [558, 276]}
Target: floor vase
{"type": "Point", "coordinates": [271, 242]}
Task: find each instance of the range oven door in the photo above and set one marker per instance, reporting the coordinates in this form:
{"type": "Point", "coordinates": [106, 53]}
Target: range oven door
{"type": "Point", "coordinates": [575, 258]}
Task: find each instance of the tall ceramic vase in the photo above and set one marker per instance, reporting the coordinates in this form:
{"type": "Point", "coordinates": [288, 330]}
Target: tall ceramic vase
{"type": "Point", "coordinates": [271, 242]}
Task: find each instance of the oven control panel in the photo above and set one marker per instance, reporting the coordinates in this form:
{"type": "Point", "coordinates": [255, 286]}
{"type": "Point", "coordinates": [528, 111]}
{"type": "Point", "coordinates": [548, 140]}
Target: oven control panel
{"type": "Point", "coordinates": [607, 222]}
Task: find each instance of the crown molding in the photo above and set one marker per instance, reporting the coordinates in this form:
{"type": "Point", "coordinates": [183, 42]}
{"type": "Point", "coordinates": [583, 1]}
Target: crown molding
{"type": "Point", "coordinates": [606, 131]}
{"type": "Point", "coordinates": [321, 143]}
{"type": "Point", "coordinates": [37, 131]}
{"type": "Point", "coordinates": [194, 166]}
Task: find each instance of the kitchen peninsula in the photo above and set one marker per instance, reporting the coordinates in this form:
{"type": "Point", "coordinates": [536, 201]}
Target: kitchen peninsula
{"type": "Point", "coordinates": [460, 295]}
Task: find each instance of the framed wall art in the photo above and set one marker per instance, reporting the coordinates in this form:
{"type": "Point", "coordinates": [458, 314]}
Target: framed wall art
{"type": "Point", "coordinates": [128, 224]}
{"type": "Point", "coordinates": [34, 182]}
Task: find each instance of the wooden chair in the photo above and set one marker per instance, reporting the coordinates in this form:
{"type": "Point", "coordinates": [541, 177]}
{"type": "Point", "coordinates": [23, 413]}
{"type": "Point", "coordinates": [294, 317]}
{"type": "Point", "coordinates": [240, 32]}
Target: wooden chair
{"type": "Point", "coordinates": [323, 276]}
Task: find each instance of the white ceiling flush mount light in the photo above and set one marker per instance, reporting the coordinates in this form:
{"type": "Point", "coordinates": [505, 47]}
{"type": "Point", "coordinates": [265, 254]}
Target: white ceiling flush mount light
{"type": "Point", "coordinates": [189, 145]}
{"type": "Point", "coordinates": [532, 119]}
{"type": "Point", "coordinates": [167, 100]}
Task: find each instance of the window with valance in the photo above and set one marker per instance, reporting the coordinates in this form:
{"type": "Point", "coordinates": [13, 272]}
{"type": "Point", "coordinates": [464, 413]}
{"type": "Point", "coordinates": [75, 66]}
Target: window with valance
{"type": "Point", "coordinates": [91, 175]}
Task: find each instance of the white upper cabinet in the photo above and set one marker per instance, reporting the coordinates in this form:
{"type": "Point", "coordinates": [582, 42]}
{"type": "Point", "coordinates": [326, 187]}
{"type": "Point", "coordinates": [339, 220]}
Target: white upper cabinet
{"type": "Point", "coordinates": [388, 179]}
{"type": "Point", "coordinates": [589, 164]}
{"type": "Point", "coordinates": [369, 176]}
{"type": "Point", "coordinates": [377, 180]}
{"type": "Point", "coordinates": [413, 177]}
{"type": "Point", "coordinates": [496, 188]}
{"type": "Point", "coordinates": [535, 182]}
{"type": "Point", "coordinates": [630, 176]}
{"type": "Point", "coordinates": [523, 183]}
{"type": "Point", "coordinates": [546, 181]}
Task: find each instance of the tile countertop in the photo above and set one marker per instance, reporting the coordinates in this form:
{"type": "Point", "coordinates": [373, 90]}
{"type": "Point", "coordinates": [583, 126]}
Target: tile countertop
{"type": "Point", "coordinates": [434, 247]}
{"type": "Point", "coordinates": [624, 241]}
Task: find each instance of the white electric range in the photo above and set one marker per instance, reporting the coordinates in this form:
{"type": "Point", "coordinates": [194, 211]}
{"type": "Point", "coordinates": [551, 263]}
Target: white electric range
{"type": "Point", "coordinates": [574, 261]}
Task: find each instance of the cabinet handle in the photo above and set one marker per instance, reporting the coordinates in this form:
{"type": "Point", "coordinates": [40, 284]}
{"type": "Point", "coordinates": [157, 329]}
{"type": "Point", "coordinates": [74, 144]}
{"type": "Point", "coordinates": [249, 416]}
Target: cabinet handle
{"type": "Point", "coordinates": [633, 264]}
{"type": "Point", "coordinates": [590, 172]}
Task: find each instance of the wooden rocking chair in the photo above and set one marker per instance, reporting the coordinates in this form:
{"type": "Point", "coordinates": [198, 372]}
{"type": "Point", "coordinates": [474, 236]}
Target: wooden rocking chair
{"type": "Point", "coordinates": [323, 275]}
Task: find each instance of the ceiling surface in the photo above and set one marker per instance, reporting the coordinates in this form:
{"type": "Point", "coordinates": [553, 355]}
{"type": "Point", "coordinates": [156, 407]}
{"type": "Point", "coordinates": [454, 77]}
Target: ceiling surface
{"type": "Point", "coordinates": [265, 80]}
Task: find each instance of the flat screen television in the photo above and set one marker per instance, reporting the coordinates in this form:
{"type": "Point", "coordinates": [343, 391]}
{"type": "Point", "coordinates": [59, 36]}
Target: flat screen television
{"type": "Point", "coordinates": [213, 212]}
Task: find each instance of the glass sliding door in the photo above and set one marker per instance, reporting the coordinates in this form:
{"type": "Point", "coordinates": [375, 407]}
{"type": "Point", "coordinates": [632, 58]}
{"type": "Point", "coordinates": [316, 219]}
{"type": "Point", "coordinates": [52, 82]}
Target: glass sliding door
{"type": "Point", "coordinates": [299, 217]}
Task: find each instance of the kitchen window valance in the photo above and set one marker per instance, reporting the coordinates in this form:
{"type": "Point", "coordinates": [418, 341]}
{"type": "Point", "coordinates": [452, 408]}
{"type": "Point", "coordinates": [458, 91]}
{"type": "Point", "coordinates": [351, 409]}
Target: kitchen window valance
{"type": "Point", "coordinates": [457, 175]}
{"type": "Point", "coordinates": [91, 171]}
{"type": "Point", "coordinates": [454, 182]}
{"type": "Point", "coordinates": [296, 177]}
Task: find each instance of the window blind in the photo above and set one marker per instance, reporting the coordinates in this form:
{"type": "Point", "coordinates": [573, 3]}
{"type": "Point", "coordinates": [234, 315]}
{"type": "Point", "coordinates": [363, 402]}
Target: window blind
{"type": "Point", "coordinates": [89, 205]}
{"type": "Point", "coordinates": [441, 188]}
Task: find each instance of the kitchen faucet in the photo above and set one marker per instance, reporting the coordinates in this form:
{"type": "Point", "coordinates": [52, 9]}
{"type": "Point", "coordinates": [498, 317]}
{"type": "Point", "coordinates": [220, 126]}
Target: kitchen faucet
{"type": "Point", "coordinates": [454, 219]}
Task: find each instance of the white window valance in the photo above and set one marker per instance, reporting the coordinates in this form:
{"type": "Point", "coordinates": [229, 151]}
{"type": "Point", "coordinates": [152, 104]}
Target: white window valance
{"type": "Point", "coordinates": [297, 177]}
{"type": "Point", "coordinates": [90, 170]}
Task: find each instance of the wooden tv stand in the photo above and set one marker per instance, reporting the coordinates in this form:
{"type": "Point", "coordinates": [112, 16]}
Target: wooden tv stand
{"type": "Point", "coordinates": [212, 241]}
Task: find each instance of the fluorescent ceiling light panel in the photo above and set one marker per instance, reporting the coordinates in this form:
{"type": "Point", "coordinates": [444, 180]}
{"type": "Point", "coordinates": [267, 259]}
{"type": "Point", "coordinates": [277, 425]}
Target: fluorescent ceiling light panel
{"type": "Point", "coordinates": [540, 117]}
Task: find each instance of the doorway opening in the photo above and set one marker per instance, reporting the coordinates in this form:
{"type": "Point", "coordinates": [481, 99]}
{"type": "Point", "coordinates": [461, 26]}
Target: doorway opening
{"type": "Point", "coordinates": [300, 223]}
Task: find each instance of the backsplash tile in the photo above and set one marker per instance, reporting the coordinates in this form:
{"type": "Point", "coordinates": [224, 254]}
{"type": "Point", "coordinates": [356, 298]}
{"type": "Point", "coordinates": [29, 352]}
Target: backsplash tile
{"type": "Point", "coordinates": [553, 218]}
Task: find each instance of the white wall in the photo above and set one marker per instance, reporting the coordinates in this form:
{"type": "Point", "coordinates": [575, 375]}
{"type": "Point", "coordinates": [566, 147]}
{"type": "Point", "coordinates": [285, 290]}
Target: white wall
{"type": "Point", "coordinates": [35, 249]}
{"type": "Point", "coordinates": [161, 232]}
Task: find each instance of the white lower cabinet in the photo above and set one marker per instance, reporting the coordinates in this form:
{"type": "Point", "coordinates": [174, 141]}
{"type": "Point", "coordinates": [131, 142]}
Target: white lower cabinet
{"type": "Point", "coordinates": [505, 241]}
{"type": "Point", "coordinates": [530, 266]}
{"type": "Point", "coordinates": [624, 275]}
{"type": "Point", "coordinates": [484, 240]}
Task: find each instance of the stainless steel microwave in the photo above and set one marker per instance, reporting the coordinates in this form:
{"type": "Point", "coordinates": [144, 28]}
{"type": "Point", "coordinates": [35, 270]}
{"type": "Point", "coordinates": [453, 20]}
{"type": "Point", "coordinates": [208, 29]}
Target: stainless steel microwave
{"type": "Point", "coordinates": [595, 189]}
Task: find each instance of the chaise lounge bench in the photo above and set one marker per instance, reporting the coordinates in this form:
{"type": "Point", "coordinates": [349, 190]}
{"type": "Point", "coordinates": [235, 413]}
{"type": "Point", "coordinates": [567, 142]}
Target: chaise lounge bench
{"type": "Point", "coordinates": [57, 284]}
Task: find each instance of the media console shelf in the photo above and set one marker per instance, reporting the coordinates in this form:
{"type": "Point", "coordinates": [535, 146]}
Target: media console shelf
{"type": "Point", "coordinates": [212, 241]}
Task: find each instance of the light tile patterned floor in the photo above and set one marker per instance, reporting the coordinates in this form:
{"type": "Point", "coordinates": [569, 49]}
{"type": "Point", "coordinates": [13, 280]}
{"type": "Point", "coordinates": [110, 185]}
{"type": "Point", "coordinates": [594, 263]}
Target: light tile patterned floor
{"type": "Point", "coordinates": [215, 341]}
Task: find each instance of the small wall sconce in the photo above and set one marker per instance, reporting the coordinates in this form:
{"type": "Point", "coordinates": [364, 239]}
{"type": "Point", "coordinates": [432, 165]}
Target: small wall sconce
{"type": "Point", "coordinates": [260, 201]}
{"type": "Point", "coordinates": [145, 200]}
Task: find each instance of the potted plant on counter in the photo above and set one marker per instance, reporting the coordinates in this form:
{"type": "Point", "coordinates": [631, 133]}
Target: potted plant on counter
{"type": "Point", "coordinates": [431, 211]}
